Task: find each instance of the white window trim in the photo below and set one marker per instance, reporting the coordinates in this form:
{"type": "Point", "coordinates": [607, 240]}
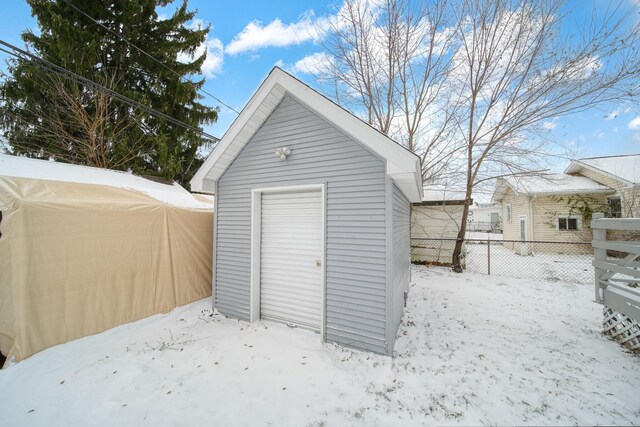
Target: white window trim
{"type": "Point", "coordinates": [617, 196]}
{"type": "Point", "coordinates": [256, 232]}
{"type": "Point", "coordinates": [522, 218]}
{"type": "Point", "coordinates": [578, 223]}
{"type": "Point", "coordinates": [509, 213]}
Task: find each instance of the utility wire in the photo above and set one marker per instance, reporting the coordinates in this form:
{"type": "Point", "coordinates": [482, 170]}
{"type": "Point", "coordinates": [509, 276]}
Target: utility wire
{"type": "Point", "coordinates": [148, 55]}
{"type": "Point", "coordinates": [79, 79]}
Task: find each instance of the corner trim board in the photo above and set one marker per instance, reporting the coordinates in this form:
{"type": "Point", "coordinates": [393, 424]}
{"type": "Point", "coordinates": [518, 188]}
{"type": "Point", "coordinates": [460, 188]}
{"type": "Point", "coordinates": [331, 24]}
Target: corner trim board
{"type": "Point", "coordinates": [215, 246]}
{"type": "Point", "coordinates": [389, 333]}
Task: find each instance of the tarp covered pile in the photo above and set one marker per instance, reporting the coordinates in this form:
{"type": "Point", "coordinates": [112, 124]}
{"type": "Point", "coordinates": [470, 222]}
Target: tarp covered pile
{"type": "Point", "coordinates": [84, 249]}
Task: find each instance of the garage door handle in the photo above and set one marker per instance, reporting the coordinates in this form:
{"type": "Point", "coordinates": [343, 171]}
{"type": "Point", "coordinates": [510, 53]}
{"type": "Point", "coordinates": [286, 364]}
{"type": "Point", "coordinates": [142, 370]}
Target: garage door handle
{"type": "Point", "coordinates": [318, 263]}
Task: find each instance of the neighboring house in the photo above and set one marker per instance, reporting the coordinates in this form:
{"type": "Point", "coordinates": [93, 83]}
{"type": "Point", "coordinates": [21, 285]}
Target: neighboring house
{"type": "Point", "coordinates": [535, 208]}
{"type": "Point", "coordinates": [85, 249]}
{"type": "Point", "coordinates": [621, 174]}
{"type": "Point", "coordinates": [312, 219]}
{"type": "Point", "coordinates": [485, 217]}
{"type": "Point", "coordinates": [538, 208]}
{"type": "Point", "coordinates": [435, 223]}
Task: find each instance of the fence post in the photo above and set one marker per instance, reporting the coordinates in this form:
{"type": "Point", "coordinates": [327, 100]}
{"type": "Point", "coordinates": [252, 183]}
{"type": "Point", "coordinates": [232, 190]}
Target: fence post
{"type": "Point", "coordinates": [599, 235]}
{"type": "Point", "coordinates": [488, 254]}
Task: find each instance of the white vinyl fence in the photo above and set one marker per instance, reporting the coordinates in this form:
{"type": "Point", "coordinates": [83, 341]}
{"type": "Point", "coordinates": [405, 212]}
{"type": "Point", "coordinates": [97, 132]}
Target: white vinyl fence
{"type": "Point", "coordinates": [617, 278]}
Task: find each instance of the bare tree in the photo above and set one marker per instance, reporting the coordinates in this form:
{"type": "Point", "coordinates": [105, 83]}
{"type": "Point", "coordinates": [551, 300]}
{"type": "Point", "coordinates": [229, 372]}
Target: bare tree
{"type": "Point", "coordinates": [472, 86]}
{"type": "Point", "coordinates": [389, 60]}
{"type": "Point", "coordinates": [515, 70]}
{"type": "Point", "coordinates": [77, 125]}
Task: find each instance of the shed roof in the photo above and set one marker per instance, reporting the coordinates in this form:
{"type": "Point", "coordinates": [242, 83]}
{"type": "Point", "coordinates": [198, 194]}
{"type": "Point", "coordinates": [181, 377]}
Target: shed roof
{"type": "Point", "coordinates": [548, 184]}
{"type": "Point", "coordinates": [625, 168]}
{"type": "Point", "coordinates": [24, 167]}
{"type": "Point", "coordinates": [438, 193]}
{"type": "Point", "coordinates": [402, 165]}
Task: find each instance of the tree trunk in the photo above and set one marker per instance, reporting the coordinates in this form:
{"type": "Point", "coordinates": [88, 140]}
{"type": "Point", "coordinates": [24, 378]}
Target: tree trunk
{"type": "Point", "coordinates": [456, 263]}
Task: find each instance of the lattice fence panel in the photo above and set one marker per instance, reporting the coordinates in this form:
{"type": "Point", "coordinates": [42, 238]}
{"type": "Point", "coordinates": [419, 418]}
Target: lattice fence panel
{"type": "Point", "coordinates": [621, 328]}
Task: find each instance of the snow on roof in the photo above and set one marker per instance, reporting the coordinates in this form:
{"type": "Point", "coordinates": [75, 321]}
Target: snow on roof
{"type": "Point", "coordinates": [439, 193]}
{"type": "Point", "coordinates": [23, 167]}
{"type": "Point", "coordinates": [626, 167]}
{"type": "Point", "coordinates": [558, 183]}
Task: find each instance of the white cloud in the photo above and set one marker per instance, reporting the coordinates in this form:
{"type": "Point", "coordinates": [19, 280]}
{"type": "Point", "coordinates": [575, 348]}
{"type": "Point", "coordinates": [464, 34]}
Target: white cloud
{"type": "Point", "coordinates": [318, 63]}
{"type": "Point", "coordinates": [549, 125]}
{"type": "Point", "coordinates": [279, 63]}
{"type": "Point", "coordinates": [612, 115]}
{"type": "Point", "coordinates": [214, 48]}
{"type": "Point", "coordinates": [634, 124]}
{"type": "Point", "coordinates": [256, 36]}
{"type": "Point", "coordinates": [215, 57]}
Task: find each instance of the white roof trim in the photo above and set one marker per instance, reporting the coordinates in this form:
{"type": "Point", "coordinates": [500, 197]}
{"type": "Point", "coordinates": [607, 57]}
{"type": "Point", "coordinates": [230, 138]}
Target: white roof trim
{"type": "Point", "coordinates": [503, 184]}
{"type": "Point", "coordinates": [402, 165]}
{"type": "Point", "coordinates": [569, 192]}
{"type": "Point", "coordinates": [576, 165]}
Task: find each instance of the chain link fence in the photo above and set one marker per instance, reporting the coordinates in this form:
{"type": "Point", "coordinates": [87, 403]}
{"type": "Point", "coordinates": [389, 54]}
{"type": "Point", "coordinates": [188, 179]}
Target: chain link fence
{"type": "Point", "coordinates": [555, 261]}
{"type": "Point", "coordinates": [485, 226]}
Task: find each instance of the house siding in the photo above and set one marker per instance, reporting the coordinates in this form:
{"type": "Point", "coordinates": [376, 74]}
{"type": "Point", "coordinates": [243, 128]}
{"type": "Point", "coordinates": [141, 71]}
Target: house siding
{"type": "Point", "coordinates": [480, 217]}
{"type": "Point", "coordinates": [435, 222]}
{"type": "Point", "coordinates": [519, 209]}
{"type": "Point", "coordinates": [401, 255]}
{"type": "Point", "coordinates": [629, 196]}
{"type": "Point", "coordinates": [541, 222]}
{"type": "Point", "coordinates": [355, 220]}
{"type": "Point", "coordinates": [545, 212]}
{"type": "Point", "coordinates": [602, 179]}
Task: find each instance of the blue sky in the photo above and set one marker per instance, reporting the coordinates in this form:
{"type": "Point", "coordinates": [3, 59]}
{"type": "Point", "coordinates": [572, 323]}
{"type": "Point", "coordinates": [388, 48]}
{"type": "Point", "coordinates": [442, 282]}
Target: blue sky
{"type": "Point", "coordinates": [247, 39]}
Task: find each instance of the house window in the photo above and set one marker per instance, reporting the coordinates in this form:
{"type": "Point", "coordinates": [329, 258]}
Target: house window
{"type": "Point", "coordinates": [567, 224]}
{"type": "Point", "coordinates": [509, 213]}
{"type": "Point", "coordinates": [615, 207]}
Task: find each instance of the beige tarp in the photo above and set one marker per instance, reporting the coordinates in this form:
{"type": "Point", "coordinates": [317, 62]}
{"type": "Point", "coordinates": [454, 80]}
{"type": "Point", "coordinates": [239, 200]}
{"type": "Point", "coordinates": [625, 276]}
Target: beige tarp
{"type": "Point", "coordinates": [77, 259]}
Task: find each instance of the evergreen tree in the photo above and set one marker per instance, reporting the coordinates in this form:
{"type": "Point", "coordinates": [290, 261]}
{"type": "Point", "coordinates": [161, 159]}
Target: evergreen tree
{"type": "Point", "coordinates": [47, 116]}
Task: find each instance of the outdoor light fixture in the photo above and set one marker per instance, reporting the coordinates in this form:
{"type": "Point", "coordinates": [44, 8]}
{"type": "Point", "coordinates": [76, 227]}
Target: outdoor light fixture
{"type": "Point", "coordinates": [283, 152]}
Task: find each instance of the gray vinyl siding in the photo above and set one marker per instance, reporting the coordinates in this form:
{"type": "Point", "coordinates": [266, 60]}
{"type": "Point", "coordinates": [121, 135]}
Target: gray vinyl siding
{"type": "Point", "coordinates": [401, 257]}
{"type": "Point", "coordinates": [355, 220]}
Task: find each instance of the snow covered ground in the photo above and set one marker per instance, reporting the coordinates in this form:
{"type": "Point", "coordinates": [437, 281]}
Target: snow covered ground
{"type": "Point", "coordinates": [472, 349]}
{"type": "Point", "coordinates": [572, 267]}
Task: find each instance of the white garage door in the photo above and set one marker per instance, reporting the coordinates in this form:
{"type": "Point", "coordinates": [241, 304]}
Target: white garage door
{"type": "Point", "coordinates": [291, 250]}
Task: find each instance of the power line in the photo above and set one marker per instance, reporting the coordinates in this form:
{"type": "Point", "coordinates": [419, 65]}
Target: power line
{"type": "Point", "coordinates": [96, 86]}
{"type": "Point", "coordinates": [82, 80]}
{"type": "Point", "coordinates": [148, 55]}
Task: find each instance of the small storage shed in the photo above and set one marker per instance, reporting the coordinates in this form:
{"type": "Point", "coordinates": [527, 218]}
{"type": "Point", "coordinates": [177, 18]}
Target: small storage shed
{"type": "Point", "coordinates": [435, 223]}
{"type": "Point", "coordinates": [84, 249]}
{"type": "Point", "coordinates": [312, 217]}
